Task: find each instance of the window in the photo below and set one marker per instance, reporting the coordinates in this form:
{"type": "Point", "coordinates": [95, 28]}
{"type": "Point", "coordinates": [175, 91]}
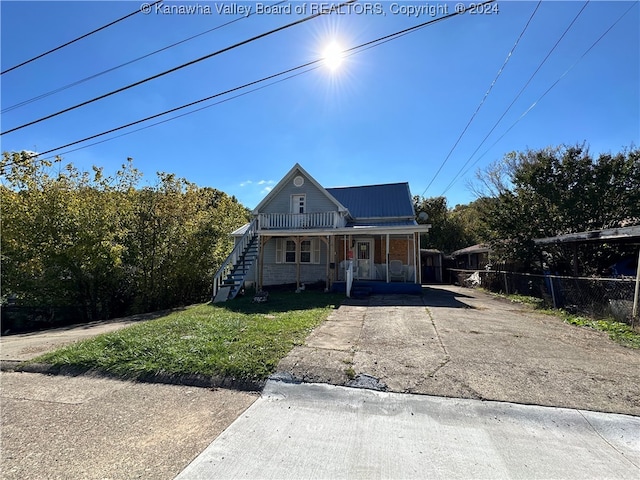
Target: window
{"type": "Point", "coordinates": [286, 251]}
{"type": "Point", "coordinates": [290, 252]}
{"type": "Point", "coordinates": [305, 251]}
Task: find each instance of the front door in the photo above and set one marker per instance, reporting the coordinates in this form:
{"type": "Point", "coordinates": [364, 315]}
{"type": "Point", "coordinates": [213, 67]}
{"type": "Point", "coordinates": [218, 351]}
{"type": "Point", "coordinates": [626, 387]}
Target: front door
{"type": "Point", "coordinates": [364, 260]}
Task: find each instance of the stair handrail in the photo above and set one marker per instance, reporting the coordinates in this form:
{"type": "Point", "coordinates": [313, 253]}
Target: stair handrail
{"type": "Point", "coordinates": [232, 258]}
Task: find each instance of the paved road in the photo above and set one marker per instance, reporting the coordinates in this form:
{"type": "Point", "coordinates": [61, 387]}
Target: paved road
{"type": "Point", "coordinates": [323, 431]}
{"type": "Point", "coordinates": [451, 342]}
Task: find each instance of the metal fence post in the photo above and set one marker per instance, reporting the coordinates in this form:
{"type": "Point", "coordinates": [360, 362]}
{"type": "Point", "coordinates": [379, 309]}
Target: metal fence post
{"type": "Point", "coordinates": [553, 293]}
{"type": "Point", "coordinates": [636, 294]}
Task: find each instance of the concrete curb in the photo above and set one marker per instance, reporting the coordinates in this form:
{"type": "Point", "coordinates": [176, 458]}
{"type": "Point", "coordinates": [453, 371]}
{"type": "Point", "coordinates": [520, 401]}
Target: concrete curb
{"type": "Point", "coordinates": [192, 380]}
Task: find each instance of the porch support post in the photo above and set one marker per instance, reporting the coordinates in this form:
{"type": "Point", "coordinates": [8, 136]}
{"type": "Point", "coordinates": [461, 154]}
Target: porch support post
{"type": "Point", "coordinates": [387, 256]}
{"type": "Point", "coordinates": [408, 253]}
{"type": "Point", "coordinates": [417, 277]}
{"type": "Point", "coordinates": [263, 241]}
{"type": "Point", "coordinates": [327, 243]}
{"type": "Point", "coordinates": [636, 294]}
{"type": "Point", "coordinates": [298, 253]}
{"type": "Point", "coordinates": [344, 247]}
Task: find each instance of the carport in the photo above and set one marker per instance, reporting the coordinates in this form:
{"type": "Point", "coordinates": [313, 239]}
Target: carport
{"type": "Point", "coordinates": [629, 235]}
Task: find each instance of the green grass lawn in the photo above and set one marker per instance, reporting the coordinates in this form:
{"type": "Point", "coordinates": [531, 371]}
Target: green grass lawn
{"type": "Point", "coordinates": [237, 339]}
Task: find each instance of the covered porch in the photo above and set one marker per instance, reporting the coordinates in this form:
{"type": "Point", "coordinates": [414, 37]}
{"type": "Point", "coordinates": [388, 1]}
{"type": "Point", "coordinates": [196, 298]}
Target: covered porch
{"type": "Point", "coordinates": [382, 262]}
{"type": "Point", "coordinates": [384, 259]}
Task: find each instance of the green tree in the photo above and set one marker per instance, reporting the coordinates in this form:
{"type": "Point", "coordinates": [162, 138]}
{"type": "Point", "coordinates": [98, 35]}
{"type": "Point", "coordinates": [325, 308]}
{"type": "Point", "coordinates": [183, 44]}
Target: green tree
{"type": "Point", "coordinates": [451, 229]}
{"type": "Point", "coordinates": [61, 235]}
{"type": "Point", "coordinates": [554, 191]}
{"type": "Point", "coordinates": [104, 246]}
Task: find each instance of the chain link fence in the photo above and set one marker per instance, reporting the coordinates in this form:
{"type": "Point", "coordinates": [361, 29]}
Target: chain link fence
{"type": "Point", "coordinates": [593, 297]}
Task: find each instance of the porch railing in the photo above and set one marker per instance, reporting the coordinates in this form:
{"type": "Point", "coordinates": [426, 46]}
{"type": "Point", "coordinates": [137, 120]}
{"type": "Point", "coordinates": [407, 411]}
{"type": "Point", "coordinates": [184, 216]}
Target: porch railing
{"type": "Point", "coordinates": [293, 221]}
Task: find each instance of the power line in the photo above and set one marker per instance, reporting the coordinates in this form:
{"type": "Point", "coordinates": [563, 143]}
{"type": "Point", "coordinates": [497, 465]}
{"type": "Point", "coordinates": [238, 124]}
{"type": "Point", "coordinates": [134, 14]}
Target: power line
{"type": "Point", "coordinates": [517, 96]}
{"type": "Point", "coordinates": [75, 39]}
{"type": "Point", "coordinates": [547, 91]}
{"type": "Point", "coordinates": [96, 75]}
{"type": "Point", "coordinates": [504, 64]}
{"type": "Point", "coordinates": [166, 120]}
{"type": "Point", "coordinates": [350, 51]}
{"type": "Point", "coordinates": [179, 67]}
{"type": "Point", "coordinates": [166, 112]}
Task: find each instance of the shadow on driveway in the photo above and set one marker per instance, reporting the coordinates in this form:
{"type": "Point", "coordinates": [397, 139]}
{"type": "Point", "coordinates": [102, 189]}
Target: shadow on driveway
{"type": "Point", "coordinates": [441, 297]}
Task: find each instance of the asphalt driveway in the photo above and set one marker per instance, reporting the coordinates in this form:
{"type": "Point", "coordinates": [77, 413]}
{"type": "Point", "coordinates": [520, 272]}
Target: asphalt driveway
{"type": "Point", "coordinates": [463, 343]}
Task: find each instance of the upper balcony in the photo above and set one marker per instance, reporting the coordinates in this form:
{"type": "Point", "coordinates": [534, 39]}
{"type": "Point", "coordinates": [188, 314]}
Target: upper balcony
{"type": "Point", "coordinates": [300, 221]}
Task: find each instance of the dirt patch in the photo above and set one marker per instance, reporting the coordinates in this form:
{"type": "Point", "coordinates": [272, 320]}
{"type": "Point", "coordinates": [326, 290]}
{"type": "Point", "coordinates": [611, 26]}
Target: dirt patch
{"type": "Point", "coordinates": [458, 342]}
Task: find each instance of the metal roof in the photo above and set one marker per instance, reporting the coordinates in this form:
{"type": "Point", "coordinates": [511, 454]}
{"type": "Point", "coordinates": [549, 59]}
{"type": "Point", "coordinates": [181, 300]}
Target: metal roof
{"type": "Point", "coordinates": [376, 201]}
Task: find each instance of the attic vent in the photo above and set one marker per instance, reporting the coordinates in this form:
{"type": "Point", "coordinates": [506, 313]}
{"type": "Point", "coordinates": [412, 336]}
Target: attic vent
{"type": "Point", "coordinates": [298, 181]}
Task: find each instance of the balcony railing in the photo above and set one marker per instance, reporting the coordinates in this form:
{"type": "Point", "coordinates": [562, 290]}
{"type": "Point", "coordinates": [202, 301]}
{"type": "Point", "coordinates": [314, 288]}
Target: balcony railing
{"type": "Point", "coordinates": [295, 221]}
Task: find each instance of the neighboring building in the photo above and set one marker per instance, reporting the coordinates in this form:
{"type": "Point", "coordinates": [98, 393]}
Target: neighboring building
{"type": "Point", "coordinates": [303, 233]}
{"type": "Point", "coordinates": [628, 236]}
{"type": "Point", "coordinates": [432, 265]}
{"type": "Point", "coordinates": [475, 257]}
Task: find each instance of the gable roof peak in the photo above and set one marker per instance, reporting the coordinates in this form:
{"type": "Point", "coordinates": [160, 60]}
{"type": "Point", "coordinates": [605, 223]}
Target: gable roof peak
{"type": "Point", "coordinates": [297, 168]}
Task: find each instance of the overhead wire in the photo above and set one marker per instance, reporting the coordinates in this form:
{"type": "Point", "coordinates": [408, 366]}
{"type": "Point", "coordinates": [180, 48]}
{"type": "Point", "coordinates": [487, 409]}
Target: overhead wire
{"type": "Point", "coordinates": [166, 120]}
{"type": "Point", "coordinates": [184, 65]}
{"type": "Point", "coordinates": [109, 70]}
{"type": "Point", "coordinates": [76, 39]}
{"type": "Point", "coordinates": [186, 105]}
{"type": "Point", "coordinates": [473, 116]}
{"type": "Point", "coordinates": [575, 18]}
{"type": "Point", "coordinates": [350, 51]}
{"type": "Point", "coordinates": [549, 89]}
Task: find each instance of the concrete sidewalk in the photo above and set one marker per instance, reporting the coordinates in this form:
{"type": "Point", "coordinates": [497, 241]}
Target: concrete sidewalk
{"type": "Point", "coordinates": [322, 431]}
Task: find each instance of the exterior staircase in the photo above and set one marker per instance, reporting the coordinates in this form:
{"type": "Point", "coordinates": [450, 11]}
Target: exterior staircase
{"type": "Point", "coordinates": [230, 276]}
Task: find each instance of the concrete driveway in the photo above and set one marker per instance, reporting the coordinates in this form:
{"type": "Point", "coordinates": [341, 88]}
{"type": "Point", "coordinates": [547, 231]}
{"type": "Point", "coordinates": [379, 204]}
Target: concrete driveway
{"type": "Point", "coordinates": [463, 343]}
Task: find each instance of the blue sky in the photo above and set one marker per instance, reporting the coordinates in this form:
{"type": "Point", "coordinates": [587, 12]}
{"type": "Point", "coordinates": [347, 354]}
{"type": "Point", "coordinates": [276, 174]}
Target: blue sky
{"type": "Point", "coordinates": [388, 114]}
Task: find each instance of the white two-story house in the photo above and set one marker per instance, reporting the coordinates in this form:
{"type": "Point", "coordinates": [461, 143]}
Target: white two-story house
{"type": "Point", "coordinates": [303, 233]}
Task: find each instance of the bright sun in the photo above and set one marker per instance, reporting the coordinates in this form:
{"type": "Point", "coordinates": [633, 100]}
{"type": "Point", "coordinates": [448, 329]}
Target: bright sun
{"type": "Point", "coordinates": [333, 56]}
